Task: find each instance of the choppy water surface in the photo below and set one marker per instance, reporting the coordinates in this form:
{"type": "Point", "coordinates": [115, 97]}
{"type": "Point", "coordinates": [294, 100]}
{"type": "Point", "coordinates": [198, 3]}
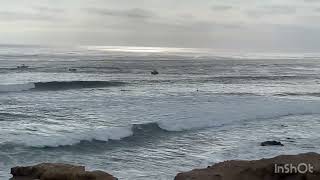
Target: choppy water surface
{"type": "Point", "coordinates": [110, 113]}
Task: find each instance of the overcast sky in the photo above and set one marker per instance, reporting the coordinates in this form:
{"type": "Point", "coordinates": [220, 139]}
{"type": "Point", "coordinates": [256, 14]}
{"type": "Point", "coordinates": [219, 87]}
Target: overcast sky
{"type": "Point", "coordinates": [262, 25]}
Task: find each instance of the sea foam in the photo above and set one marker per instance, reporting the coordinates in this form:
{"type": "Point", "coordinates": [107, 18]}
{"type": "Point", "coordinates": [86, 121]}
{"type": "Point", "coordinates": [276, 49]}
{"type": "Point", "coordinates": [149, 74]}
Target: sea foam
{"type": "Point", "coordinates": [100, 134]}
{"type": "Point", "coordinates": [184, 117]}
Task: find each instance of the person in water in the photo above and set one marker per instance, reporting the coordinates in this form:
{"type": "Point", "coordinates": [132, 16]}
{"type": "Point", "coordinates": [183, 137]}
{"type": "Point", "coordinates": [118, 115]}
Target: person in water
{"type": "Point", "coordinates": [23, 66]}
{"type": "Point", "coordinates": [154, 72]}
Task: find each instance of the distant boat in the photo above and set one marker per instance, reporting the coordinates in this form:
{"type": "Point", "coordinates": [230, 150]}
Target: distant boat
{"type": "Point", "coordinates": [72, 70]}
{"type": "Point", "coordinates": [23, 66]}
{"type": "Point", "coordinates": [154, 72]}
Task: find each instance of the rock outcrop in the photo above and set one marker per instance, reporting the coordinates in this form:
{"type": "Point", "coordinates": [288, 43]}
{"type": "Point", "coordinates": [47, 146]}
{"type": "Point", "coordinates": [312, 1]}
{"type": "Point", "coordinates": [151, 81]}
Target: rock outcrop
{"type": "Point", "coordinates": [47, 171]}
{"type": "Point", "coordinates": [264, 169]}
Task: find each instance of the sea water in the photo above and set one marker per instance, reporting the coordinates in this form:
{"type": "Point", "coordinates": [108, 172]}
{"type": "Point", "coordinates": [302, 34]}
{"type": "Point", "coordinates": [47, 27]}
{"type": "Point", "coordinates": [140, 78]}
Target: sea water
{"type": "Point", "coordinates": [111, 114]}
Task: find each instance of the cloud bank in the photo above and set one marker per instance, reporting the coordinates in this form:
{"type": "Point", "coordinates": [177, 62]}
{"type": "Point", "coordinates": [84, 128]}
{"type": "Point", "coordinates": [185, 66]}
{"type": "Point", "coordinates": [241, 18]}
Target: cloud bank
{"type": "Point", "coordinates": [252, 25]}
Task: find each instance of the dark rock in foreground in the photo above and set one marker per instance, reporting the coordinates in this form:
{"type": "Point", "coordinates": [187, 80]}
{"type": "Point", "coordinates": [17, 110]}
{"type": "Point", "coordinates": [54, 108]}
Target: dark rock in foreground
{"type": "Point", "coordinates": [47, 171]}
{"type": "Point", "coordinates": [264, 169]}
{"type": "Point", "coordinates": [271, 143]}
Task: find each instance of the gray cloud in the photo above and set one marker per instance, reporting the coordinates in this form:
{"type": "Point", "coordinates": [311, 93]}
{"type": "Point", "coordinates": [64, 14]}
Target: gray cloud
{"type": "Point", "coordinates": [312, 1]}
{"type": "Point", "coordinates": [185, 23]}
{"type": "Point", "coordinates": [272, 10]}
{"type": "Point", "coordinates": [26, 16]}
{"type": "Point", "coordinates": [38, 13]}
{"type": "Point", "coordinates": [235, 24]}
{"type": "Point", "coordinates": [221, 7]}
{"type": "Point", "coordinates": [44, 9]}
{"type": "Point", "coordinates": [137, 13]}
{"type": "Point", "coordinates": [186, 16]}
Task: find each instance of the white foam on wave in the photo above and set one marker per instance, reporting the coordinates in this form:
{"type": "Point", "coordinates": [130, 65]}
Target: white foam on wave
{"type": "Point", "coordinates": [16, 87]}
{"type": "Point", "coordinates": [72, 138]}
{"type": "Point", "coordinates": [183, 116]}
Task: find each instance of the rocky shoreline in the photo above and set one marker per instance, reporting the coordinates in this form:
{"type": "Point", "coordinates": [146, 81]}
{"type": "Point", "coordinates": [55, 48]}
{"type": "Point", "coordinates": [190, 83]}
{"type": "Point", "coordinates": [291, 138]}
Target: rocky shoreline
{"type": "Point", "coordinates": [284, 167]}
{"type": "Point", "coordinates": [49, 171]}
{"type": "Point", "coordinates": [264, 169]}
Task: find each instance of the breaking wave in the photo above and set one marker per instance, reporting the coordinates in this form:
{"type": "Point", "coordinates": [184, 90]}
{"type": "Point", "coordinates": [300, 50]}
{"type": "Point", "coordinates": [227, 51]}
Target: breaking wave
{"type": "Point", "coordinates": [100, 134]}
{"type": "Point", "coordinates": [118, 133]}
{"type": "Point", "coordinates": [58, 85]}
{"type": "Point", "coordinates": [222, 111]}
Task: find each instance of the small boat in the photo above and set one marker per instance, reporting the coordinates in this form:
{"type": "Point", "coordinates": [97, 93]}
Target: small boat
{"type": "Point", "coordinates": [23, 66]}
{"type": "Point", "coordinates": [154, 72]}
{"type": "Point", "coordinates": [72, 70]}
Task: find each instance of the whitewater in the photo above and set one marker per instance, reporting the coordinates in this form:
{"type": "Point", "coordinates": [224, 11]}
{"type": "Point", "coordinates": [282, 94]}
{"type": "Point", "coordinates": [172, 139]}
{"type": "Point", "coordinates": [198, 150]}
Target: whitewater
{"type": "Point", "coordinates": [111, 114]}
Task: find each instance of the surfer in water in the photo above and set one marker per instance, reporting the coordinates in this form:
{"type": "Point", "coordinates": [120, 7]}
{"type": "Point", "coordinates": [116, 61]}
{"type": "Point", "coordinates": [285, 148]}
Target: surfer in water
{"type": "Point", "coordinates": [23, 66]}
{"type": "Point", "coordinates": [154, 72]}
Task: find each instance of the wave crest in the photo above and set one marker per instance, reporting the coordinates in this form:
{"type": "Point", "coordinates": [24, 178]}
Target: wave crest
{"type": "Point", "coordinates": [16, 87]}
{"type": "Point", "coordinates": [58, 85]}
{"type": "Point", "coordinates": [100, 134]}
{"type": "Point", "coordinates": [224, 110]}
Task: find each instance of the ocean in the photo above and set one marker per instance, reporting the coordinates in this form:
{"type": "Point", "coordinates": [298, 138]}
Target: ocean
{"type": "Point", "coordinates": [100, 107]}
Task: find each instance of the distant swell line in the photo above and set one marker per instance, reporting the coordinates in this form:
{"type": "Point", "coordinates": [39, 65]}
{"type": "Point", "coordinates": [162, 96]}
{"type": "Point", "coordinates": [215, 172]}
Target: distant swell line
{"type": "Point", "coordinates": [58, 85]}
{"type": "Point", "coordinates": [314, 94]}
